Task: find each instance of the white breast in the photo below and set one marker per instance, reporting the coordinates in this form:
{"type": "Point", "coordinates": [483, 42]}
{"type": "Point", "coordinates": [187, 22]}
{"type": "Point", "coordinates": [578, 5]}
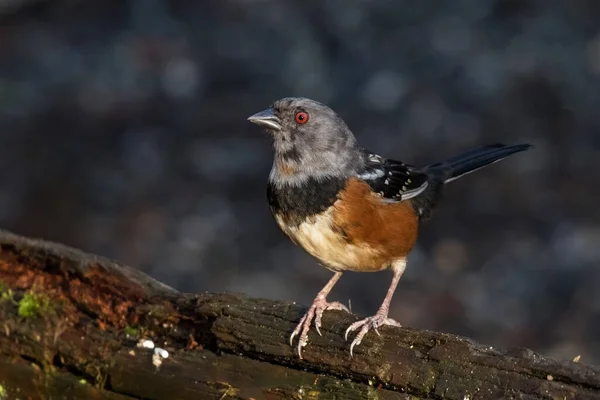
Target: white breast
{"type": "Point", "coordinates": [318, 238]}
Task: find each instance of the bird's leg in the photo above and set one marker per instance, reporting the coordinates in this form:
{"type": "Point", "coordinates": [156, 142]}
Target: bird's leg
{"type": "Point", "coordinates": [315, 312]}
{"type": "Point", "coordinates": [381, 317]}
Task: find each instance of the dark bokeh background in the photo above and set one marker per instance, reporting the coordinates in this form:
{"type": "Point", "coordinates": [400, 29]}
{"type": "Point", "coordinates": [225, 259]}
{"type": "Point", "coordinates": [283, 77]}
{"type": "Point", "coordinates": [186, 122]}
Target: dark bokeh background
{"type": "Point", "coordinates": [123, 131]}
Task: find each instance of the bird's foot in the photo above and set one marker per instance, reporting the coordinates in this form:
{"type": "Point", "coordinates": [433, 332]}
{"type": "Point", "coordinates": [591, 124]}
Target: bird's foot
{"type": "Point", "coordinates": [314, 312]}
{"type": "Point", "coordinates": [373, 322]}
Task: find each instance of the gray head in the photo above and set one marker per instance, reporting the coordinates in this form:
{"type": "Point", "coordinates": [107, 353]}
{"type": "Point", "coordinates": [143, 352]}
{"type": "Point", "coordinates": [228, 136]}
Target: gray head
{"type": "Point", "coordinates": [310, 141]}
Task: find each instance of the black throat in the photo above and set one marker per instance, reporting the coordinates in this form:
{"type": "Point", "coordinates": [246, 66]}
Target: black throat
{"type": "Point", "coordinates": [294, 204]}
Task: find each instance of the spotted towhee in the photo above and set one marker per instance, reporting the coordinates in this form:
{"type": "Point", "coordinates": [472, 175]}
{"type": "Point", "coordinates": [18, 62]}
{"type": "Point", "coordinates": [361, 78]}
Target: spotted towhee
{"type": "Point", "coordinates": [351, 209]}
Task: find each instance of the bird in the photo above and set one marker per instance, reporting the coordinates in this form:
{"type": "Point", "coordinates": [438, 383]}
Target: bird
{"type": "Point", "coordinates": [353, 210]}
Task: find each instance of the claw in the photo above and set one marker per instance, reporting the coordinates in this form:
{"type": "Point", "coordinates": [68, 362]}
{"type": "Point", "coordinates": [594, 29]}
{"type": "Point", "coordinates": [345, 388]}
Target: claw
{"type": "Point", "coordinates": [301, 344]}
{"type": "Point", "coordinates": [366, 324]}
{"type": "Point", "coordinates": [318, 316]}
{"type": "Point", "coordinates": [297, 330]}
{"type": "Point", "coordinates": [346, 334]}
{"type": "Point", "coordinates": [353, 327]}
{"type": "Point", "coordinates": [314, 312]}
{"type": "Point", "coordinates": [351, 348]}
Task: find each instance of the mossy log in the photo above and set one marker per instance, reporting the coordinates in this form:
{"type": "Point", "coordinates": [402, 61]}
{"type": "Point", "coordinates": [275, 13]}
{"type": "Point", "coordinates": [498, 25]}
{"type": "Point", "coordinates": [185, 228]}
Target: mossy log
{"type": "Point", "coordinates": [70, 323]}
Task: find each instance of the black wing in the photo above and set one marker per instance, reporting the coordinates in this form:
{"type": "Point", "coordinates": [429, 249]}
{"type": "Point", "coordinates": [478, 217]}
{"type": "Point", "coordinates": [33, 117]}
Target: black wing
{"type": "Point", "coordinates": [393, 180]}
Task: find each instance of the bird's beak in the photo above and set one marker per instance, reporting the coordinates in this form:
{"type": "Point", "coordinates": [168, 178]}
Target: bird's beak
{"type": "Point", "coordinates": [266, 119]}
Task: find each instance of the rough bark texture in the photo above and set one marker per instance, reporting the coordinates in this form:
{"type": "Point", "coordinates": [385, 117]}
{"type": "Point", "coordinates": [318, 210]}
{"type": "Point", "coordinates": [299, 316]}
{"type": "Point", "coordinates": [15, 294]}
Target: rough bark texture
{"type": "Point", "coordinates": [69, 324]}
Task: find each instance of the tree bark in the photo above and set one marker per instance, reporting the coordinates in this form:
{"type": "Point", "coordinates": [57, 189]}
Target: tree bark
{"type": "Point", "coordinates": [70, 322]}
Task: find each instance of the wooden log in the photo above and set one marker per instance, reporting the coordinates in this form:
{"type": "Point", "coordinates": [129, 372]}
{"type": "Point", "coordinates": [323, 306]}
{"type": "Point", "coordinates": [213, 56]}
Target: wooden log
{"type": "Point", "coordinates": [70, 323]}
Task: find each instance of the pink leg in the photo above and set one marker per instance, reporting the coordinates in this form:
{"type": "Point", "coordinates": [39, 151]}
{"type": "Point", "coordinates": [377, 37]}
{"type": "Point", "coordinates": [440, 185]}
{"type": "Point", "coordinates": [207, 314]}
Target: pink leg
{"type": "Point", "coordinates": [381, 317]}
{"type": "Point", "coordinates": [315, 312]}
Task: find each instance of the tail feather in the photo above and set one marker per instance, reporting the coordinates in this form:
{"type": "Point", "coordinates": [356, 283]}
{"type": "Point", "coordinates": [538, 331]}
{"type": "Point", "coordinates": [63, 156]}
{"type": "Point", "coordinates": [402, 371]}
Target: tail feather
{"type": "Point", "coordinates": [456, 167]}
{"type": "Point", "coordinates": [470, 161]}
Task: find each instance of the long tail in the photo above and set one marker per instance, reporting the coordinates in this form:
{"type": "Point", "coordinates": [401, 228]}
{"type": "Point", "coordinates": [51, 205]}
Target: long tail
{"type": "Point", "coordinates": [465, 163]}
{"type": "Point", "coordinates": [455, 167]}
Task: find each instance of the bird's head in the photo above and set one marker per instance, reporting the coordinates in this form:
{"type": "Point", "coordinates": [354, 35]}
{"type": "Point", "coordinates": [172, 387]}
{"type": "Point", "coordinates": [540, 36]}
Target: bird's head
{"type": "Point", "coordinates": [310, 141]}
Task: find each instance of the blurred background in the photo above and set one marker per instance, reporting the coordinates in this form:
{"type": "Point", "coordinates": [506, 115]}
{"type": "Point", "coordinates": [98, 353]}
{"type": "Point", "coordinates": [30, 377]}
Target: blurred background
{"type": "Point", "coordinates": [123, 132]}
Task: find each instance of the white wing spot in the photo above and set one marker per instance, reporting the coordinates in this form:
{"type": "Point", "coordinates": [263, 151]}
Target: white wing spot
{"type": "Point", "coordinates": [375, 158]}
{"type": "Point", "coordinates": [372, 175]}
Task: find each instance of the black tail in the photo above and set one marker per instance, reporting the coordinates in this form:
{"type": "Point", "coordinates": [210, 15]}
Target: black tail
{"type": "Point", "coordinates": [455, 167]}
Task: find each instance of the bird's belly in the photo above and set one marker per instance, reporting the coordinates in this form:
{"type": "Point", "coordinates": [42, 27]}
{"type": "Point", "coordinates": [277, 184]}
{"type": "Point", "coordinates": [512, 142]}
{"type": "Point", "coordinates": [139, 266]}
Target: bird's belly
{"type": "Point", "coordinates": [359, 232]}
{"type": "Point", "coordinates": [320, 237]}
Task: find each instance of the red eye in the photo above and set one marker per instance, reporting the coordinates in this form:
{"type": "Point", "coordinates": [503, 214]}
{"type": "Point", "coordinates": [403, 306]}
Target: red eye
{"type": "Point", "coordinates": [301, 117]}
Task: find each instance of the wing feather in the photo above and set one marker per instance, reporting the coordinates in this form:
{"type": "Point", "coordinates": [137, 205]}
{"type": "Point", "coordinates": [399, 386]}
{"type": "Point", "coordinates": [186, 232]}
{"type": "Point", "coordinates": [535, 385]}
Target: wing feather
{"type": "Point", "coordinates": [393, 180]}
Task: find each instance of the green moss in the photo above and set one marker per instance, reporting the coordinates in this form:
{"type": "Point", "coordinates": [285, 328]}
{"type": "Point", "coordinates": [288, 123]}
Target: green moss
{"type": "Point", "coordinates": [132, 332]}
{"type": "Point", "coordinates": [8, 295]}
{"type": "Point", "coordinates": [5, 292]}
{"type": "Point", "coordinates": [3, 394]}
{"type": "Point", "coordinates": [33, 304]}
